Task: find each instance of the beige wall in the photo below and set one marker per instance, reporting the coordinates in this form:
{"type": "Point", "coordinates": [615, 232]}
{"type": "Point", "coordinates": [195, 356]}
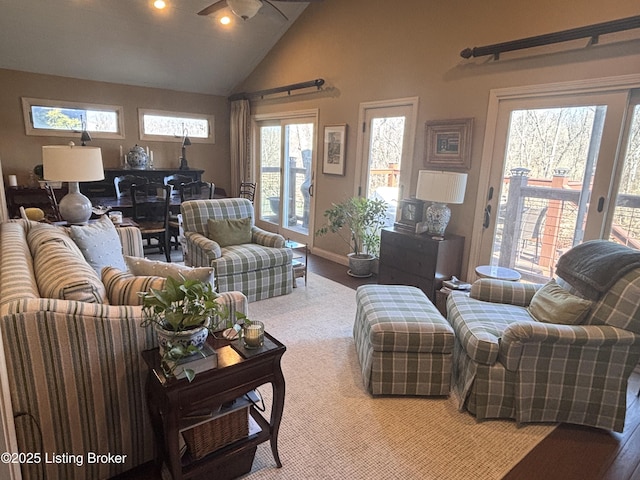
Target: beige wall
{"type": "Point", "coordinates": [369, 50]}
{"type": "Point", "coordinates": [20, 153]}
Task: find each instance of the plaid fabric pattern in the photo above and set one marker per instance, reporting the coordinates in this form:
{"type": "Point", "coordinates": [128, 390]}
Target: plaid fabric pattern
{"type": "Point", "coordinates": [540, 372]}
{"type": "Point", "coordinates": [260, 270]}
{"type": "Point", "coordinates": [502, 291]}
{"type": "Point", "coordinates": [249, 257]}
{"type": "Point", "coordinates": [479, 325]}
{"type": "Point", "coordinates": [76, 367]}
{"type": "Point", "coordinates": [403, 343]}
{"type": "Point", "coordinates": [268, 239]}
{"type": "Point", "coordinates": [620, 306]}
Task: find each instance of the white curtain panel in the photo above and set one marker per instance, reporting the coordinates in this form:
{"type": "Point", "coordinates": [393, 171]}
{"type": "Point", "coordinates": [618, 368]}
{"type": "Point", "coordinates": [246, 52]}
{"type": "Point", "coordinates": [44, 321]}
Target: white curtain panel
{"type": "Point", "coordinates": [241, 167]}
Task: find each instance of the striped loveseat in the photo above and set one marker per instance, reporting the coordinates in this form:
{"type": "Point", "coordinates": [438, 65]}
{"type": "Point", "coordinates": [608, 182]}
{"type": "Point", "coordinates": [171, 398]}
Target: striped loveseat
{"type": "Point", "coordinates": [71, 374]}
{"type": "Point", "coordinates": [507, 364]}
{"type": "Point", "coordinates": [259, 269]}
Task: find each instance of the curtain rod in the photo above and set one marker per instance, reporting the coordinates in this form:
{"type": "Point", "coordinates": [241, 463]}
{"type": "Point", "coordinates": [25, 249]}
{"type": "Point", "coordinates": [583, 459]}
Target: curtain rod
{"type": "Point", "coordinates": [593, 31]}
{"type": "Point", "coordinates": [271, 91]}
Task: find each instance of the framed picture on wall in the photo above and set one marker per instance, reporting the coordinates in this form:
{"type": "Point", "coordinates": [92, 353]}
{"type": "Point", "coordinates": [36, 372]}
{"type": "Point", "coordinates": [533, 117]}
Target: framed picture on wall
{"type": "Point", "coordinates": [448, 144]}
{"type": "Point", "coordinates": [335, 141]}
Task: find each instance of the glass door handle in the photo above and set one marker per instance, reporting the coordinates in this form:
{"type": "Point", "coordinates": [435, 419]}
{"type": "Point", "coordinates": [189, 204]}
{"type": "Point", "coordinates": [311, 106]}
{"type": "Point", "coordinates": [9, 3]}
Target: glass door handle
{"type": "Point", "coordinates": [487, 216]}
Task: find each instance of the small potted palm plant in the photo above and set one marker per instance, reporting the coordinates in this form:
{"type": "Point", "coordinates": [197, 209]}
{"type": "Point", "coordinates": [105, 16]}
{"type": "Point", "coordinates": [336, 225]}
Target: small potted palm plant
{"type": "Point", "coordinates": [362, 218]}
{"type": "Point", "coordinates": [183, 314]}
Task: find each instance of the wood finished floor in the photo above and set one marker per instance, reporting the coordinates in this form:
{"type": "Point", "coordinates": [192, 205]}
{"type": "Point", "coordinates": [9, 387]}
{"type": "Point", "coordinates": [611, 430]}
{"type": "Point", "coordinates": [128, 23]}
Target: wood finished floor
{"type": "Point", "coordinates": [569, 453]}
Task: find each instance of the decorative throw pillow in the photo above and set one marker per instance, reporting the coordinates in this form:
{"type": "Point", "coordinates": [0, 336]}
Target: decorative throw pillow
{"type": "Point", "coordinates": [40, 233]}
{"type": "Point", "coordinates": [141, 266]}
{"type": "Point", "coordinates": [61, 272]}
{"type": "Point", "coordinates": [553, 304]}
{"type": "Point", "coordinates": [100, 244]}
{"type": "Point", "coordinates": [229, 231]}
{"type": "Point", "coordinates": [123, 288]}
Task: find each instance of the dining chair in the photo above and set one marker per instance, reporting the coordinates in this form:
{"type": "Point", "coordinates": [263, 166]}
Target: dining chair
{"type": "Point", "coordinates": [247, 190]}
{"type": "Point", "coordinates": [176, 180]}
{"type": "Point", "coordinates": [122, 183]}
{"type": "Point", "coordinates": [151, 213]}
{"type": "Point", "coordinates": [196, 191]}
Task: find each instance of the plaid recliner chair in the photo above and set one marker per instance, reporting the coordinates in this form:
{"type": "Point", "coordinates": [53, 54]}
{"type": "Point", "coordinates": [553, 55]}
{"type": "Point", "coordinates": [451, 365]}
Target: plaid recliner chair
{"type": "Point", "coordinates": [260, 269]}
{"type": "Point", "coordinates": [507, 364]}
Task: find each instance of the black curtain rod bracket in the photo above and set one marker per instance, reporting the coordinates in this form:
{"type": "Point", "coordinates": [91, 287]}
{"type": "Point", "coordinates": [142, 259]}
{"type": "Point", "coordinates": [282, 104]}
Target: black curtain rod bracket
{"type": "Point", "coordinates": [593, 31]}
{"type": "Point", "coordinates": [317, 83]}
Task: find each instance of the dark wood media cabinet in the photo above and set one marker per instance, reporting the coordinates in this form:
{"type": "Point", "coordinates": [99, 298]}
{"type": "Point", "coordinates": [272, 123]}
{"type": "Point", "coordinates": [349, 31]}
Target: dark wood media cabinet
{"type": "Point", "coordinates": [407, 258]}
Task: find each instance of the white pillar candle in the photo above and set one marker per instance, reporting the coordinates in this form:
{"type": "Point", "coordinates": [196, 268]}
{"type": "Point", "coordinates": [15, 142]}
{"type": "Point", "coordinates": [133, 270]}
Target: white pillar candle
{"type": "Point", "coordinates": [254, 335]}
{"type": "Point", "coordinates": [13, 181]}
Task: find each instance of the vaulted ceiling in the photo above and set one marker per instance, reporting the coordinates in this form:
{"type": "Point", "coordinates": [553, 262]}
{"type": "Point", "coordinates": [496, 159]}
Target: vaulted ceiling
{"type": "Point", "coordinates": [131, 42]}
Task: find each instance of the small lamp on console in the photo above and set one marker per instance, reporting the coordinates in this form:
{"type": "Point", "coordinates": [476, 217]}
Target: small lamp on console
{"type": "Point", "coordinates": [72, 164]}
{"type": "Point", "coordinates": [440, 188]}
{"type": "Point", "coordinates": [186, 141]}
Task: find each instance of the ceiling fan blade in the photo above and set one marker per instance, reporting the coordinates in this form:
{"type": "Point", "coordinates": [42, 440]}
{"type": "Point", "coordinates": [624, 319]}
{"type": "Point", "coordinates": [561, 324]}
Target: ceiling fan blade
{"type": "Point", "coordinates": [214, 7]}
{"type": "Point", "coordinates": [275, 9]}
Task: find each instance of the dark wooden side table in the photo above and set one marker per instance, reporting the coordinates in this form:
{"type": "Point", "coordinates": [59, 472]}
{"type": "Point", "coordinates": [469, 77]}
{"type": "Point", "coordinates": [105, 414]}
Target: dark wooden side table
{"type": "Point", "coordinates": [408, 258]}
{"type": "Point", "coordinates": [172, 401]}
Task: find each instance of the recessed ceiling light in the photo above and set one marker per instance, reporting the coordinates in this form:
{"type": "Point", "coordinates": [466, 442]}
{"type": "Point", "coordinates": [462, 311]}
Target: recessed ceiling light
{"type": "Point", "coordinates": [159, 4]}
{"type": "Point", "coordinates": [225, 20]}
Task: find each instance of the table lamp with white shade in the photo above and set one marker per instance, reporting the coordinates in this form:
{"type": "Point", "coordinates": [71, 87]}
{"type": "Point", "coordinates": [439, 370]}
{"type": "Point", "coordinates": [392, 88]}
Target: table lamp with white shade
{"type": "Point", "coordinates": [440, 188]}
{"type": "Point", "coordinates": [73, 164]}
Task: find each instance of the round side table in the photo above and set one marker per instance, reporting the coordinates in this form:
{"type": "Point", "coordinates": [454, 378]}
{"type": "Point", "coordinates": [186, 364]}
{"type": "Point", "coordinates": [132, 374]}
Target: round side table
{"type": "Point", "coordinates": [499, 273]}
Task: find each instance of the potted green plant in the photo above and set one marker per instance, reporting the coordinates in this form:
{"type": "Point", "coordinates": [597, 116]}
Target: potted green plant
{"type": "Point", "coordinates": [183, 314]}
{"type": "Point", "coordinates": [362, 218]}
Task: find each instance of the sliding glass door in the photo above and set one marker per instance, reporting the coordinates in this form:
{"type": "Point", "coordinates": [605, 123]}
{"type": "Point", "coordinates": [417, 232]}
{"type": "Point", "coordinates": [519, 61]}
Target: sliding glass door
{"type": "Point", "coordinates": [564, 170]}
{"type": "Point", "coordinates": [286, 158]}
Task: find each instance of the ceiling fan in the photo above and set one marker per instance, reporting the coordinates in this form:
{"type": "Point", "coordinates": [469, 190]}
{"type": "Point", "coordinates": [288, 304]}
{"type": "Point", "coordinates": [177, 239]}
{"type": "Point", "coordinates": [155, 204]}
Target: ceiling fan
{"type": "Point", "coordinates": [246, 9]}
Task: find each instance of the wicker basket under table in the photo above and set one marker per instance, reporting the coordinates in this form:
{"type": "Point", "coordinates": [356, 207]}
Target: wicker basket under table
{"type": "Point", "coordinates": [217, 433]}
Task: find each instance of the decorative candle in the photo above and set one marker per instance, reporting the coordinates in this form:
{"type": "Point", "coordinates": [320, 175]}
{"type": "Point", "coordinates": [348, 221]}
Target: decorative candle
{"type": "Point", "coordinates": [253, 335]}
{"type": "Point", "coordinates": [13, 181]}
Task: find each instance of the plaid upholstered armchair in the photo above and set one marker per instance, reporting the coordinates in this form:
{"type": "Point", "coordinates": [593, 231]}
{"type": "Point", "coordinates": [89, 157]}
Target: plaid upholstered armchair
{"type": "Point", "coordinates": [221, 233]}
{"type": "Point", "coordinates": [562, 352]}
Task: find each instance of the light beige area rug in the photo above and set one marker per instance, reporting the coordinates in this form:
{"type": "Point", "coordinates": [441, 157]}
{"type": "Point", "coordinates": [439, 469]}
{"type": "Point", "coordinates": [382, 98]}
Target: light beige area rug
{"type": "Point", "coordinates": [333, 429]}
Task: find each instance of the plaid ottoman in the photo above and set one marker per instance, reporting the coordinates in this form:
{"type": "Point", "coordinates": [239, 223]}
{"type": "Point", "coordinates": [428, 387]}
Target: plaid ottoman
{"type": "Point", "coordinates": [404, 345]}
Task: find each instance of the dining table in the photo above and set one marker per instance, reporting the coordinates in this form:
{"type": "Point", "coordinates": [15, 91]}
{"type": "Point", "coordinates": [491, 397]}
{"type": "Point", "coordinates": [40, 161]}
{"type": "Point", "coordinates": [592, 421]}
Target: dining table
{"type": "Point", "coordinates": [125, 205]}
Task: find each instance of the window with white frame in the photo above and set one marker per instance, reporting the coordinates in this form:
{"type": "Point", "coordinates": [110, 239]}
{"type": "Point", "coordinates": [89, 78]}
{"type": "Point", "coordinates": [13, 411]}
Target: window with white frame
{"type": "Point", "coordinates": [63, 119]}
{"type": "Point", "coordinates": [174, 126]}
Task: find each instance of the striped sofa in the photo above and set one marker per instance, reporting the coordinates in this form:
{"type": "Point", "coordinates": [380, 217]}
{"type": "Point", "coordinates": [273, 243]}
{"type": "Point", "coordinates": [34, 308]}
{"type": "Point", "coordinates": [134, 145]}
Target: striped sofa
{"type": "Point", "coordinates": [71, 374]}
{"type": "Point", "coordinates": [260, 269]}
{"type": "Point", "coordinates": [508, 365]}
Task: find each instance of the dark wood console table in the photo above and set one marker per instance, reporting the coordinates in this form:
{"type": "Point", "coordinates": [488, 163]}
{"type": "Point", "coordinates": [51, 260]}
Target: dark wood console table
{"type": "Point", "coordinates": [238, 372]}
{"type": "Point", "coordinates": [31, 197]}
{"type": "Point", "coordinates": [105, 188]}
{"type": "Point", "coordinates": [407, 258]}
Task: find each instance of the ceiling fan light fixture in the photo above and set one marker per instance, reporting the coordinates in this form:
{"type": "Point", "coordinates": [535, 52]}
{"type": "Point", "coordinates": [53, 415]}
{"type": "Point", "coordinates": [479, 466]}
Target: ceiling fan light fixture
{"type": "Point", "coordinates": [159, 4]}
{"type": "Point", "coordinates": [225, 20]}
{"type": "Point", "coordinates": [245, 9]}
